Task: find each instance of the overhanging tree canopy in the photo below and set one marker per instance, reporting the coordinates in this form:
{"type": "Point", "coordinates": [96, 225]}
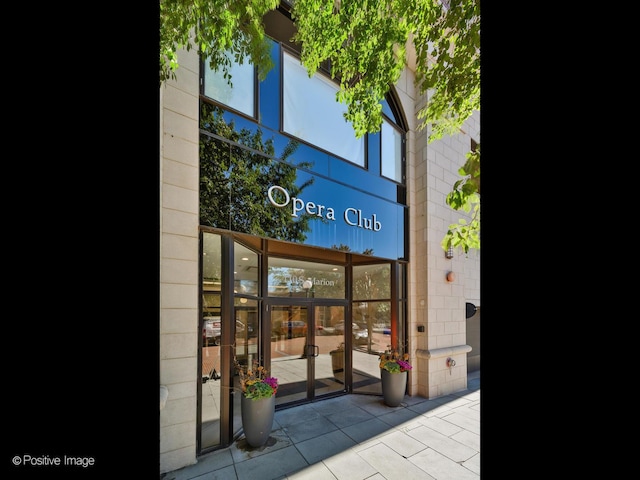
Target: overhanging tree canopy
{"type": "Point", "coordinates": [365, 43]}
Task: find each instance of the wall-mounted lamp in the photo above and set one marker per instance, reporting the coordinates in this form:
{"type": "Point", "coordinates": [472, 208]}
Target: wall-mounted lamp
{"type": "Point", "coordinates": [449, 252]}
{"type": "Point", "coordinates": [451, 277]}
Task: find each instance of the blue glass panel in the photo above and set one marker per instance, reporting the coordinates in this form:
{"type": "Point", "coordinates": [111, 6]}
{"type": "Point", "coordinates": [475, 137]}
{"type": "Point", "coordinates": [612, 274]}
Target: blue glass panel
{"type": "Point", "coordinates": [342, 218]}
{"type": "Point", "coordinates": [310, 158]}
{"type": "Point", "coordinates": [356, 213]}
{"type": "Point", "coordinates": [359, 178]}
{"type": "Point", "coordinates": [235, 127]}
{"type": "Point", "coordinates": [269, 93]}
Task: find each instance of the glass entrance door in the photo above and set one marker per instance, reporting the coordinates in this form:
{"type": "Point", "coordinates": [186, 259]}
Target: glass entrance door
{"type": "Point", "coordinates": [329, 342]}
{"type": "Point", "coordinates": [307, 352]}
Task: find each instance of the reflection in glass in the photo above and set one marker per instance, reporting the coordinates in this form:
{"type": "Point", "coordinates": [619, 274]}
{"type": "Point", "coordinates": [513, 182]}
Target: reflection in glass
{"type": "Point", "coordinates": [371, 312]}
{"type": "Point", "coordinates": [289, 326]}
{"type": "Point", "coordinates": [235, 177]}
{"type": "Point", "coordinates": [309, 105]}
{"type": "Point", "coordinates": [375, 319]}
{"type": "Point", "coordinates": [305, 340]}
{"type": "Point", "coordinates": [391, 153]}
{"type": "Point", "coordinates": [245, 271]}
{"type": "Point", "coordinates": [211, 330]}
{"type": "Point", "coordinates": [372, 281]}
{"type": "Point", "coordinates": [246, 346]}
{"type": "Point", "coordinates": [329, 362]}
{"type": "Point", "coordinates": [298, 278]}
{"type": "Point", "coordinates": [241, 96]}
{"type": "Point", "coordinates": [234, 181]}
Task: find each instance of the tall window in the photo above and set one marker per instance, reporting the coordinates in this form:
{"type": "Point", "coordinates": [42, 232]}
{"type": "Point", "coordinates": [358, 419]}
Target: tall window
{"type": "Point", "coordinates": [391, 152]}
{"type": "Point", "coordinates": [312, 113]}
{"type": "Point", "coordinates": [211, 325]}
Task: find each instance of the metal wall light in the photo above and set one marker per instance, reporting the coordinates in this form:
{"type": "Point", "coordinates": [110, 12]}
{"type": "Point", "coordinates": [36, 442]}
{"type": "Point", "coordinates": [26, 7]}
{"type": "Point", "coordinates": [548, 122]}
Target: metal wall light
{"type": "Point", "coordinates": [449, 252]}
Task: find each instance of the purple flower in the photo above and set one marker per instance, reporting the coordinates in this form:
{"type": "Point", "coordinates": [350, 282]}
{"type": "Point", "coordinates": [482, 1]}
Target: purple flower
{"type": "Point", "coordinates": [272, 382]}
{"type": "Point", "coordinates": [404, 365]}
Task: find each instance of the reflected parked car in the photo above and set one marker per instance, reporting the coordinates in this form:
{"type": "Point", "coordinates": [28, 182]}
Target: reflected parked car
{"type": "Point", "coordinates": [240, 329]}
{"type": "Point", "coordinates": [211, 331]}
{"type": "Point", "coordinates": [325, 330]}
{"type": "Point", "coordinates": [359, 333]}
{"type": "Point", "coordinates": [381, 327]}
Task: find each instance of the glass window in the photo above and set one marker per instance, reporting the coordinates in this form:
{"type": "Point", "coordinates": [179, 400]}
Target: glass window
{"type": "Point", "coordinates": [297, 278]}
{"type": "Point", "coordinates": [312, 113]}
{"type": "Point", "coordinates": [239, 97]}
{"type": "Point", "coordinates": [375, 317]}
{"type": "Point", "coordinates": [211, 326]}
{"type": "Point", "coordinates": [245, 271]}
{"type": "Point", "coordinates": [371, 313]}
{"type": "Point", "coordinates": [372, 281]}
{"type": "Point", "coordinates": [391, 152]}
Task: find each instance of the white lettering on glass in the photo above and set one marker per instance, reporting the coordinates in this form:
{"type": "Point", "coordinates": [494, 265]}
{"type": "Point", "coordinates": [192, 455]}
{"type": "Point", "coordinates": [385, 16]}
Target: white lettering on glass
{"type": "Point", "coordinates": [351, 215]}
{"type": "Point", "coordinates": [356, 220]}
{"type": "Point", "coordinates": [298, 281]}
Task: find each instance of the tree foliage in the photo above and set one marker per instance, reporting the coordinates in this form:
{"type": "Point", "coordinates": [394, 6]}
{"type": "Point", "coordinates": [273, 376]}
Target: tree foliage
{"type": "Point", "coordinates": [466, 196]}
{"type": "Point", "coordinates": [219, 29]}
{"type": "Point", "coordinates": [364, 43]}
{"type": "Point", "coordinates": [250, 172]}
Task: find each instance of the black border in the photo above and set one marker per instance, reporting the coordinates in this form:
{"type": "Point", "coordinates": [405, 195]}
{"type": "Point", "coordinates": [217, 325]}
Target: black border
{"type": "Point", "coordinates": [81, 194]}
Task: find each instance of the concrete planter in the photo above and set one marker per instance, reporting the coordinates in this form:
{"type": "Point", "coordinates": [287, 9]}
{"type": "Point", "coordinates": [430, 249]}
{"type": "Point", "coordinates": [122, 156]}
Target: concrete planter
{"type": "Point", "coordinates": [257, 419]}
{"type": "Point", "coordinates": [394, 386]}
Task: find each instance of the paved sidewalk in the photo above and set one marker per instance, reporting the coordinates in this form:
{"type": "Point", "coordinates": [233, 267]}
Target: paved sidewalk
{"type": "Point", "coordinates": [357, 437]}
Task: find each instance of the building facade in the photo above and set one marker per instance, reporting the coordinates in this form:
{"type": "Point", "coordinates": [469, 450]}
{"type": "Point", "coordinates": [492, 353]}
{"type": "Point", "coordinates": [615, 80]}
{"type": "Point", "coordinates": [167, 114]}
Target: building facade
{"type": "Point", "coordinates": [287, 241]}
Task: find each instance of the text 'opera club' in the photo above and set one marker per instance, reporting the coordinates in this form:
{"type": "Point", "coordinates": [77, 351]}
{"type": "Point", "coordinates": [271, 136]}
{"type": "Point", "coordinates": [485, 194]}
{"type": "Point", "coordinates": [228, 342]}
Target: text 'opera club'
{"type": "Point", "coordinates": [352, 216]}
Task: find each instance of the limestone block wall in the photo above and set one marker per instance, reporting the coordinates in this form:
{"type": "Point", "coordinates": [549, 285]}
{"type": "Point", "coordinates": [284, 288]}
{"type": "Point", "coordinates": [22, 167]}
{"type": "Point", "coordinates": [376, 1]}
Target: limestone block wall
{"type": "Point", "coordinates": [439, 304]}
{"type": "Point", "coordinates": [179, 180]}
{"type": "Point", "coordinates": [406, 91]}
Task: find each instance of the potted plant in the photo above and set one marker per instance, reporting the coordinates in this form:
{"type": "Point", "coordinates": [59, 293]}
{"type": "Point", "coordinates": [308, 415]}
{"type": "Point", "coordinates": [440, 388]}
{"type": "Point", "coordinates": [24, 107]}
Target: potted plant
{"type": "Point", "coordinates": [258, 402]}
{"type": "Point", "coordinates": [337, 362]}
{"type": "Point", "coordinates": [394, 366]}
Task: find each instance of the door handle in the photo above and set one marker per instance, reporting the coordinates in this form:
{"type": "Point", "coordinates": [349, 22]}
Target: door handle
{"type": "Point", "coordinates": [315, 347]}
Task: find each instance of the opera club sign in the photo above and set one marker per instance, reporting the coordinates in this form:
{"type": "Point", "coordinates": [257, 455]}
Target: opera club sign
{"type": "Point", "coordinates": [352, 216]}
